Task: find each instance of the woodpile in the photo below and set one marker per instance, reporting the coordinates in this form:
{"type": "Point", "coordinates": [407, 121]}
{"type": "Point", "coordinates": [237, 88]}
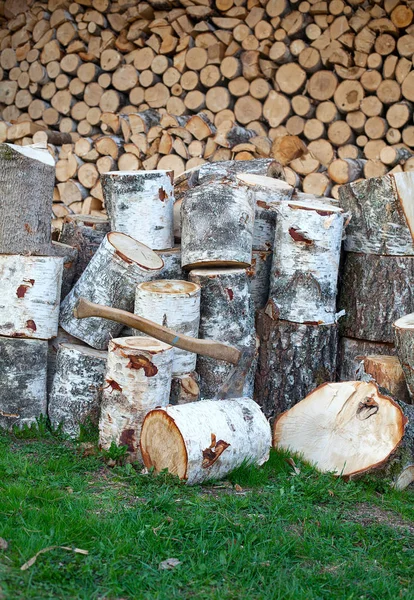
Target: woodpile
{"type": "Point", "coordinates": [326, 88]}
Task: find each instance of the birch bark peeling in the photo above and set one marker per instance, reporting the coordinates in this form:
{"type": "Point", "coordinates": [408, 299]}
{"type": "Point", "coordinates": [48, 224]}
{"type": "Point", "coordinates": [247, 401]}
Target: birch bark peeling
{"type": "Point", "coordinates": [404, 341]}
{"type": "Point", "coordinates": [205, 440]}
{"type": "Point", "coordinates": [137, 379]}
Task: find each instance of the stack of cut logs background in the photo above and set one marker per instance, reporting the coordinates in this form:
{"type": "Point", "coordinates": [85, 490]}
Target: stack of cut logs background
{"type": "Point", "coordinates": [170, 84]}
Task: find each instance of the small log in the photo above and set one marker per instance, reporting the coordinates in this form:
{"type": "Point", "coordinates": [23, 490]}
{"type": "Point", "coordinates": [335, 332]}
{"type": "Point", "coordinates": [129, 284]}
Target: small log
{"type": "Point", "coordinates": [349, 351]}
{"type": "Point", "coordinates": [75, 396]}
{"type": "Point", "coordinates": [110, 278]}
{"type": "Point", "coordinates": [205, 440]}
{"type": "Point", "coordinates": [174, 304]}
{"type": "Point", "coordinates": [375, 291]}
{"type": "Point", "coordinates": [259, 276]}
{"type": "Point", "coordinates": [140, 204]}
{"type": "Point", "coordinates": [30, 295]}
{"type": "Point", "coordinates": [23, 373]}
{"type": "Point", "coordinates": [404, 342]}
{"type": "Point", "coordinates": [386, 372]}
{"type": "Point", "coordinates": [137, 379]}
{"type": "Point", "coordinates": [184, 388]}
{"type": "Point", "coordinates": [303, 280]}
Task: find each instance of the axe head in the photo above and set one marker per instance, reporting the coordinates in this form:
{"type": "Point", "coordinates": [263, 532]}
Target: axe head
{"type": "Point", "coordinates": [233, 386]}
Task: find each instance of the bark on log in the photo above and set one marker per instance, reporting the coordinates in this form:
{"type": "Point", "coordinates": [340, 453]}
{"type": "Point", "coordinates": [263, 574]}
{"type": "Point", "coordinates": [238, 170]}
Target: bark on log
{"type": "Point", "coordinates": [140, 204]}
{"type": "Point", "coordinates": [293, 359]}
{"type": "Point", "coordinates": [185, 388]}
{"type": "Point", "coordinates": [137, 379]}
{"type": "Point", "coordinates": [205, 440]}
{"type": "Point", "coordinates": [77, 387]}
{"type": "Point", "coordinates": [404, 342]}
{"type": "Point", "coordinates": [70, 257]}
{"type": "Point", "coordinates": [259, 277]}
{"type": "Point", "coordinates": [349, 351]}
{"type": "Point", "coordinates": [27, 178]}
{"type": "Point", "coordinates": [375, 291]}
{"type": "Point", "coordinates": [226, 315]}
{"type": "Point", "coordinates": [217, 225]}
{"type": "Point", "coordinates": [382, 214]}
{"type": "Point", "coordinates": [119, 264]}
{"type": "Point", "coordinates": [30, 295]}
{"type": "Point", "coordinates": [23, 372]}
{"type": "Point", "coordinates": [174, 304]}
{"type": "Point", "coordinates": [386, 372]}
{"type": "Point", "coordinates": [53, 346]}
{"type": "Point", "coordinates": [303, 280]}
{"type": "Point", "coordinates": [354, 429]}
{"type": "Point", "coordinates": [172, 264]}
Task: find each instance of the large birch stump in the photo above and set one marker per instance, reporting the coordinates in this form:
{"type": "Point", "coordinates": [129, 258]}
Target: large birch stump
{"type": "Point", "coordinates": [85, 233]}
{"type": "Point", "coordinates": [351, 428]}
{"type": "Point", "coordinates": [137, 379]}
{"type": "Point", "coordinates": [375, 291]}
{"type": "Point", "coordinates": [53, 346]}
{"type": "Point", "coordinates": [259, 276]}
{"type": "Point", "coordinates": [23, 371]}
{"type": "Point", "coordinates": [77, 387]}
{"type": "Point", "coordinates": [205, 440]}
{"type": "Point", "coordinates": [30, 295]}
{"type": "Point", "coordinates": [226, 315]}
{"type": "Point", "coordinates": [174, 304]}
{"type": "Point", "coordinates": [70, 257]}
{"type": "Point", "coordinates": [304, 275]}
{"type": "Point", "coordinates": [217, 226]}
{"type": "Point", "coordinates": [382, 214]}
{"type": "Point", "coordinates": [140, 204]}
{"type": "Point", "coordinates": [386, 372]}
{"type": "Point", "coordinates": [350, 351]}
{"type": "Point", "coordinates": [27, 179]}
{"type": "Point", "coordinates": [404, 342]}
{"type": "Point", "coordinates": [110, 279]}
{"type": "Point", "coordinates": [293, 359]}
{"type": "Point", "coordinates": [185, 388]}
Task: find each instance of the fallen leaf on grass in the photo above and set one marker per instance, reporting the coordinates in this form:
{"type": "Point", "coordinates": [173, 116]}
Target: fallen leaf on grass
{"type": "Point", "coordinates": [32, 560]}
{"type": "Point", "coordinates": [3, 544]}
{"type": "Point", "coordinates": [292, 463]}
{"type": "Point", "coordinates": [238, 488]}
{"type": "Point", "coordinates": [169, 564]}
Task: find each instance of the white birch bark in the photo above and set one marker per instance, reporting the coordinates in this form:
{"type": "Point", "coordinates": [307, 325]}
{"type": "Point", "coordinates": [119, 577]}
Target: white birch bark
{"type": "Point", "coordinates": [77, 387]}
{"type": "Point", "coordinates": [137, 379]}
{"type": "Point", "coordinates": [174, 304]}
{"type": "Point", "coordinates": [53, 346]}
{"type": "Point", "coordinates": [382, 210]}
{"type": "Point", "coordinates": [110, 279]}
{"type": "Point", "coordinates": [185, 388]}
{"type": "Point", "coordinates": [30, 295]}
{"type": "Point", "coordinates": [404, 342]}
{"type": "Point", "coordinates": [304, 275]}
{"type": "Point", "coordinates": [23, 371]}
{"type": "Point", "coordinates": [259, 277]}
{"type": "Point", "coordinates": [205, 440]}
{"type": "Point", "coordinates": [140, 204]}
{"type": "Point", "coordinates": [217, 226]}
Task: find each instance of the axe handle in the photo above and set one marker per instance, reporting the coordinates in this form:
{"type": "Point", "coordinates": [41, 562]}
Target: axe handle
{"type": "Point", "coordinates": [210, 348]}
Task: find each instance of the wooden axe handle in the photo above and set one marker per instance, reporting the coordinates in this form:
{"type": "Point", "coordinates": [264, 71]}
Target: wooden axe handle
{"type": "Point", "coordinates": [217, 350]}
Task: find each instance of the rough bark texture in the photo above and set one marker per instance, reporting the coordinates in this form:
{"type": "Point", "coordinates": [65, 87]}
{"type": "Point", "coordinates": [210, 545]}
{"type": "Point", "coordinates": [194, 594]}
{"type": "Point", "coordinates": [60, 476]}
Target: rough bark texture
{"type": "Point", "coordinates": [185, 388]}
{"type": "Point", "coordinates": [77, 387]}
{"type": "Point", "coordinates": [226, 315]}
{"type": "Point", "coordinates": [53, 346]}
{"type": "Point", "coordinates": [70, 257]}
{"type": "Point", "coordinates": [259, 276]}
{"type": "Point", "coordinates": [386, 372]}
{"type": "Point", "coordinates": [303, 280]}
{"type": "Point", "coordinates": [172, 264]}
{"type": "Point", "coordinates": [23, 371]}
{"type": "Point", "coordinates": [137, 379]}
{"type": "Point", "coordinates": [110, 279]}
{"type": "Point", "coordinates": [27, 178]}
{"type": "Point", "coordinates": [350, 349]}
{"type": "Point", "coordinates": [140, 204]}
{"type": "Point", "coordinates": [382, 214]}
{"type": "Point", "coordinates": [374, 292]}
{"type": "Point", "coordinates": [205, 440]}
{"type": "Point", "coordinates": [30, 295]}
{"type": "Point", "coordinates": [404, 342]}
{"type": "Point", "coordinates": [293, 360]}
{"type": "Point", "coordinates": [217, 225]}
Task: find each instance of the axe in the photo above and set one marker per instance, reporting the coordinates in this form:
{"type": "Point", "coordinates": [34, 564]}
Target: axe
{"type": "Point", "coordinates": [241, 358]}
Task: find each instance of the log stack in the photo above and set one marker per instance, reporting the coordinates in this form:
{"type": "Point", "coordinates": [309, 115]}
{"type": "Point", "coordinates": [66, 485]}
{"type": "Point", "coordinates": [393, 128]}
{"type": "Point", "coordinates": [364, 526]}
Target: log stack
{"type": "Point", "coordinates": [171, 85]}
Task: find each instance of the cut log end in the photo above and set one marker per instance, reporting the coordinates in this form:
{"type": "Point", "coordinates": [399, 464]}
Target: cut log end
{"type": "Point", "coordinates": [172, 453]}
{"type": "Point", "coordinates": [132, 251]}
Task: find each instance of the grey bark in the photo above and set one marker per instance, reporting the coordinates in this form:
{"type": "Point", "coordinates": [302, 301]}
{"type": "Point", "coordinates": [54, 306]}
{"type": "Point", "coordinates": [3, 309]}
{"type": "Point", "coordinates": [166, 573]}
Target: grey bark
{"type": "Point", "coordinates": [348, 351]}
{"type": "Point", "coordinates": [185, 388]}
{"type": "Point", "coordinates": [53, 347]}
{"type": "Point", "coordinates": [404, 342]}
{"type": "Point", "coordinates": [259, 277]}
{"type": "Point", "coordinates": [172, 264]}
{"type": "Point", "coordinates": [70, 256]}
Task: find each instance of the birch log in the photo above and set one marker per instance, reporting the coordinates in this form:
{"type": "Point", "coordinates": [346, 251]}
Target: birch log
{"type": "Point", "coordinates": [27, 179]}
{"type": "Point", "coordinates": [23, 371]}
{"type": "Point", "coordinates": [185, 388]}
{"type": "Point", "coordinates": [77, 387]}
{"type": "Point", "coordinates": [174, 304]}
{"type": "Point", "coordinates": [349, 353]}
{"type": "Point", "coordinates": [404, 341]}
{"type": "Point", "coordinates": [30, 295]}
{"type": "Point", "coordinates": [293, 359]}
{"type": "Point", "coordinates": [226, 315]}
{"type": "Point", "coordinates": [375, 291]}
{"type": "Point", "coordinates": [172, 263]}
{"type": "Point", "coordinates": [137, 379]}
{"type": "Point", "coordinates": [110, 279]}
{"type": "Point", "coordinates": [350, 429]}
{"type": "Point", "coordinates": [259, 277]}
{"type": "Point", "coordinates": [70, 257]}
{"type": "Point", "coordinates": [304, 275]}
{"type": "Point", "coordinates": [382, 212]}
{"type": "Point", "coordinates": [217, 226]}
{"type": "Point", "coordinates": [386, 372]}
{"type": "Point", "coordinates": [53, 346]}
{"type": "Point", "coordinates": [140, 204]}
{"type": "Point", "coordinates": [205, 440]}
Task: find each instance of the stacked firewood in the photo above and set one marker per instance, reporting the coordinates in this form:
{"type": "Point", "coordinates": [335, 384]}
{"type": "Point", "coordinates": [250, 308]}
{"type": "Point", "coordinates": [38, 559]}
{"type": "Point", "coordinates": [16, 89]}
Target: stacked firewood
{"type": "Point", "coordinates": [172, 84]}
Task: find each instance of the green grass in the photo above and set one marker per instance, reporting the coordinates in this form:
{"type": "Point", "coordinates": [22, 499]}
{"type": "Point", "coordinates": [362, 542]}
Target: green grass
{"type": "Point", "coordinates": [264, 534]}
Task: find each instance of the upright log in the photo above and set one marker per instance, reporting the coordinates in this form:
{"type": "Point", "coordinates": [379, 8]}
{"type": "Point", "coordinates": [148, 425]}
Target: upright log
{"type": "Point", "coordinates": [53, 346]}
{"type": "Point", "coordinates": [349, 352]}
{"type": "Point", "coordinates": [259, 276]}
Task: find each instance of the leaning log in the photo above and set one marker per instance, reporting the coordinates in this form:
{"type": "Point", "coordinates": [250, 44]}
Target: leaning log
{"type": "Point", "coordinates": [404, 342]}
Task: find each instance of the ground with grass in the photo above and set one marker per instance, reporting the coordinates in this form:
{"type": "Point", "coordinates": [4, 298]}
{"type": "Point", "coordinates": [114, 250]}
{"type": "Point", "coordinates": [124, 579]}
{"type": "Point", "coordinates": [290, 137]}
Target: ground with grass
{"type": "Point", "coordinates": [279, 532]}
